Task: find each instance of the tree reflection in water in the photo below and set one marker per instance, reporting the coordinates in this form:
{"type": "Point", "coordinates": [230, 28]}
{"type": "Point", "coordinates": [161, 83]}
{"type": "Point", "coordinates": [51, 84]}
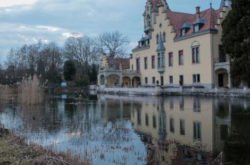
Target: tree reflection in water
{"type": "Point", "coordinates": [139, 130]}
{"type": "Point", "coordinates": [237, 145]}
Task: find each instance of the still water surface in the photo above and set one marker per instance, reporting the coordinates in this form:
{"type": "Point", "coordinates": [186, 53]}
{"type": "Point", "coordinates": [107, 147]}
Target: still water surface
{"type": "Point", "coordinates": [138, 130]}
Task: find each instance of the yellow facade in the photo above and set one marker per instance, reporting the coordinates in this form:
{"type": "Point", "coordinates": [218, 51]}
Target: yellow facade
{"type": "Point", "coordinates": [158, 121]}
{"type": "Point", "coordinates": [208, 68]}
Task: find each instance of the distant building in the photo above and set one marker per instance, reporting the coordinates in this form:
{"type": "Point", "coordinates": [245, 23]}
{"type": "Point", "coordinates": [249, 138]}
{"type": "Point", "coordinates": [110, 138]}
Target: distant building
{"type": "Point", "coordinates": [115, 72]}
{"type": "Point", "coordinates": [178, 49]}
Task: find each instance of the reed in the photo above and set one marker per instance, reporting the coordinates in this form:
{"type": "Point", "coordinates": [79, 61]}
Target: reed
{"type": "Point", "coordinates": [30, 91]}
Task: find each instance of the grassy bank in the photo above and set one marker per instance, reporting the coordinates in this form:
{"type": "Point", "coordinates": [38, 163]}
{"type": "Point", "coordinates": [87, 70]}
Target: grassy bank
{"type": "Point", "coordinates": [13, 150]}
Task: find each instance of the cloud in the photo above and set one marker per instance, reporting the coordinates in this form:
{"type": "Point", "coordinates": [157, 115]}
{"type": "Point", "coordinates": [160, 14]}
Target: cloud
{"type": "Point", "coordinates": [48, 28]}
{"type": "Point", "coordinates": [14, 35]}
{"type": "Point", "coordinates": [72, 34]}
{"type": "Point", "coordinates": [28, 21]}
{"type": "Point", "coordinates": [9, 3]}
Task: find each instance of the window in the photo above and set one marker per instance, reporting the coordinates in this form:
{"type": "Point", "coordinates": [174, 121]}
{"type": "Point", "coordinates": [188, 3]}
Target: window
{"type": "Point", "coordinates": [182, 127]}
{"type": "Point", "coordinates": [157, 38]}
{"type": "Point", "coordinates": [139, 117]}
{"type": "Point", "coordinates": [197, 130]}
{"type": "Point", "coordinates": [171, 80]}
{"type": "Point", "coordinates": [197, 105]}
{"type": "Point", "coordinates": [181, 80]}
{"type": "Point", "coordinates": [222, 54]}
{"type": "Point", "coordinates": [146, 119]}
{"type": "Point", "coordinates": [153, 62]}
{"type": "Point", "coordinates": [146, 80]}
{"type": "Point", "coordinates": [132, 67]}
{"type": "Point", "coordinates": [183, 31]}
{"type": "Point", "coordinates": [145, 63]}
{"type": "Point", "coordinates": [181, 58]}
{"type": "Point", "coordinates": [223, 132]}
{"type": "Point", "coordinates": [171, 104]}
{"type": "Point", "coordinates": [159, 59]}
{"type": "Point", "coordinates": [161, 63]}
{"type": "Point", "coordinates": [153, 80]}
{"type": "Point", "coordinates": [172, 125]}
{"type": "Point", "coordinates": [182, 104]}
{"type": "Point", "coordinates": [148, 20]}
{"type": "Point", "coordinates": [196, 78]}
{"type": "Point", "coordinates": [196, 55]}
{"type": "Point", "coordinates": [138, 64]}
{"type": "Point", "coordinates": [164, 37]}
{"type": "Point", "coordinates": [162, 80]}
{"type": "Point", "coordinates": [154, 121]}
{"type": "Point", "coordinates": [170, 59]}
{"type": "Point", "coordinates": [196, 28]}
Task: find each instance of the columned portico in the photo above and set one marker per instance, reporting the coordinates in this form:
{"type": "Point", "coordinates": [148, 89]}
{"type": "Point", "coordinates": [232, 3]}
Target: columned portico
{"type": "Point", "coordinates": [222, 74]}
{"type": "Point", "coordinates": [222, 78]}
{"type": "Point", "coordinates": [118, 78]}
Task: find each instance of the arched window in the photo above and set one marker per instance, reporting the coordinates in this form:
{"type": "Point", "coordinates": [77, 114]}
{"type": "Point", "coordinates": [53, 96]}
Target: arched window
{"type": "Point", "coordinates": [195, 47]}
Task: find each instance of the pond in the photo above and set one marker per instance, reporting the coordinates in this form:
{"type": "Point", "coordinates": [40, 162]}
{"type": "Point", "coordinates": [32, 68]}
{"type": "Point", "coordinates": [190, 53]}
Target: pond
{"type": "Point", "coordinates": [138, 130]}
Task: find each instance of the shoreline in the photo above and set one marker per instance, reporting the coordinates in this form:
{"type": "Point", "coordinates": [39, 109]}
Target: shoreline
{"type": "Point", "coordinates": [14, 150]}
{"type": "Point", "coordinates": [181, 91]}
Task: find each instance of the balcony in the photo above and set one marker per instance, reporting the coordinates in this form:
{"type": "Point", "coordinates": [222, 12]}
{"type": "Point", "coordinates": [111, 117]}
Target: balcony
{"type": "Point", "coordinates": [161, 69]}
{"type": "Point", "coordinates": [222, 63]}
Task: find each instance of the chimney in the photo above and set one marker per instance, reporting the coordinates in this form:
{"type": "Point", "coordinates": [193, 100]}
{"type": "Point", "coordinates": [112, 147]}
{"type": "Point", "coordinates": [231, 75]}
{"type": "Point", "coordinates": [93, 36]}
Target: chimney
{"type": "Point", "coordinates": [198, 11]}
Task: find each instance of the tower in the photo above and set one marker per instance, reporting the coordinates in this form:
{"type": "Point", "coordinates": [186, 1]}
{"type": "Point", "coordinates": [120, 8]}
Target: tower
{"type": "Point", "coordinates": [150, 13]}
{"type": "Point", "coordinates": [226, 3]}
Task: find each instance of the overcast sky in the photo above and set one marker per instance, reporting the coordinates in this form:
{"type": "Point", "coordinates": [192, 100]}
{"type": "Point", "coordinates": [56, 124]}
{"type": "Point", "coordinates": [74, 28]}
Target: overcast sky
{"type": "Point", "coordinates": [27, 21]}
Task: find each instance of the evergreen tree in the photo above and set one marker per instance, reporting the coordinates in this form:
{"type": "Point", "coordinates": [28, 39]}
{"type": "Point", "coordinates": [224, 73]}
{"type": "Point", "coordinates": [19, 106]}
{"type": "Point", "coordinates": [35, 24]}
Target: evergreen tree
{"type": "Point", "coordinates": [69, 70]}
{"type": "Point", "coordinates": [236, 40]}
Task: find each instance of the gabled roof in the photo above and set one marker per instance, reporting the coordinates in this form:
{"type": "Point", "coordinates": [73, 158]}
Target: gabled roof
{"type": "Point", "coordinates": [207, 17]}
{"type": "Point", "coordinates": [117, 62]}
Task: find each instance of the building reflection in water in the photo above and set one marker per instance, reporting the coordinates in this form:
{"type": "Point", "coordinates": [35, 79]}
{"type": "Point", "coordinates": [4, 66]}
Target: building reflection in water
{"type": "Point", "coordinates": [178, 130]}
{"type": "Point", "coordinates": [170, 130]}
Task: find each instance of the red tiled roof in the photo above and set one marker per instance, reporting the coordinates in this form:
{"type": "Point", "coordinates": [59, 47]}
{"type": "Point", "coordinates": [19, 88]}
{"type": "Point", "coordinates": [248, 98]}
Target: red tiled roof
{"type": "Point", "coordinates": [177, 20]}
{"type": "Point", "coordinates": [117, 62]}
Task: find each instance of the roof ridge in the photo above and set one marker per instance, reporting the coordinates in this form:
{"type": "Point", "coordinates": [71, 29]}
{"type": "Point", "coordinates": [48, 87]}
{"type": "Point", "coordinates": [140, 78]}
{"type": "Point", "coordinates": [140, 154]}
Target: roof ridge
{"type": "Point", "coordinates": [178, 12]}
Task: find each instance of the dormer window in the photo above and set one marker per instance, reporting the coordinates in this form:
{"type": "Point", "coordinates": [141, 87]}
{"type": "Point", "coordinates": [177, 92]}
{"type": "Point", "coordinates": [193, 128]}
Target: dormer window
{"type": "Point", "coordinates": [185, 28]}
{"type": "Point", "coordinates": [196, 28]}
{"type": "Point", "coordinates": [183, 32]}
{"type": "Point", "coordinates": [198, 24]}
{"type": "Point", "coordinates": [144, 42]}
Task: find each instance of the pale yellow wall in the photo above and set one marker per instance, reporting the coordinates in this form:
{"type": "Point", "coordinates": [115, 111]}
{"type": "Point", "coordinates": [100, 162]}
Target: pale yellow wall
{"type": "Point", "coordinates": [104, 62]}
{"type": "Point", "coordinates": [208, 50]}
{"type": "Point", "coordinates": [206, 117]}
{"type": "Point", "coordinates": [151, 110]}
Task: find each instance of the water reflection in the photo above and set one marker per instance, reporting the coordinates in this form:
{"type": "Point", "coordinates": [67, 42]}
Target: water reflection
{"type": "Point", "coordinates": [138, 130]}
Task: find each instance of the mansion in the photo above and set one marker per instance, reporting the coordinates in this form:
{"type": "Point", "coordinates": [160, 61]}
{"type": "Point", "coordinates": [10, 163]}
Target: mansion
{"type": "Point", "coordinates": [178, 49]}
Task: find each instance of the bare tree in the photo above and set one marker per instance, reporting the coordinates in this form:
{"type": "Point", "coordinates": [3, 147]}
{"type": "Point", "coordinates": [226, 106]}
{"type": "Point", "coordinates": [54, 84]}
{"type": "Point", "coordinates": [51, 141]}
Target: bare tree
{"type": "Point", "coordinates": [113, 44]}
{"type": "Point", "coordinates": [52, 59]}
{"type": "Point", "coordinates": [43, 59]}
{"type": "Point", "coordinates": [12, 58]}
{"type": "Point", "coordinates": [83, 50]}
{"type": "Point", "coordinates": [51, 55]}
